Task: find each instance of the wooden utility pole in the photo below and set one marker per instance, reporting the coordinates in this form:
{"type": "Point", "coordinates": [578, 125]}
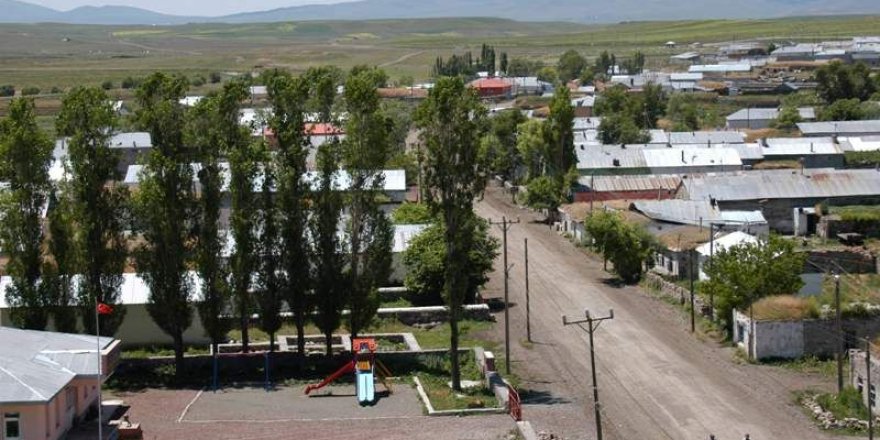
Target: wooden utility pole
{"type": "Point", "coordinates": [839, 333]}
{"type": "Point", "coordinates": [870, 403]}
{"type": "Point", "coordinates": [528, 302]}
{"type": "Point", "coordinates": [591, 325]}
{"type": "Point", "coordinates": [505, 226]}
{"type": "Point", "coordinates": [693, 303]}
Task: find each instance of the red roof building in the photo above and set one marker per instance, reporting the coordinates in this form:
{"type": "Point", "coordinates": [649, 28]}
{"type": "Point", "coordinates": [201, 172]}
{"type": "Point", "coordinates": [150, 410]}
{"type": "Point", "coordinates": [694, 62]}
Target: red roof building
{"type": "Point", "coordinates": [492, 88]}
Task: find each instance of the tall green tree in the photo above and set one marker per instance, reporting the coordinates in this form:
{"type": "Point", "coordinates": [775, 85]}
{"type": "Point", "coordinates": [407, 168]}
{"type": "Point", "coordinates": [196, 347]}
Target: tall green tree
{"type": "Point", "coordinates": [681, 109]}
{"type": "Point", "coordinates": [560, 134]}
{"type": "Point", "coordinates": [201, 134]}
{"type": "Point", "coordinates": [289, 98]}
{"type": "Point", "coordinates": [25, 156]}
{"type": "Point", "coordinates": [328, 247]}
{"type": "Point", "coordinates": [741, 275]}
{"type": "Point", "coordinates": [843, 110]}
{"type": "Point", "coordinates": [425, 260]}
{"type": "Point", "coordinates": [164, 204]}
{"type": "Point", "coordinates": [270, 284]}
{"type": "Point", "coordinates": [531, 145]}
{"type": "Point", "coordinates": [322, 82]}
{"type": "Point", "coordinates": [365, 151]}
{"type": "Point", "coordinates": [99, 207]}
{"type": "Point", "coordinates": [654, 101]}
{"type": "Point", "coordinates": [451, 120]}
{"type": "Point", "coordinates": [836, 81]}
{"type": "Point", "coordinates": [629, 247]}
{"type": "Point", "coordinates": [58, 276]}
{"type": "Point", "coordinates": [244, 166]}
{"type": "Point", "coordinates": [570, 66]}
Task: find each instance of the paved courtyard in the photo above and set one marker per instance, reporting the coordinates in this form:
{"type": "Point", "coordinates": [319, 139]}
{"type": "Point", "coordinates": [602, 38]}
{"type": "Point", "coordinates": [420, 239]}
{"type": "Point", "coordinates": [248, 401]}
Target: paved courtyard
{"type": "Point", "coordinates": [252, 414]}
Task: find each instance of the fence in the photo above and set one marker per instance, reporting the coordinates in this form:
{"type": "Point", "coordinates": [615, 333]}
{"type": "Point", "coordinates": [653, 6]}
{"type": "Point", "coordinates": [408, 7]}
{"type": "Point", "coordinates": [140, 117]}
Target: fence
{"type": "Point", "coordinates": [514, 403]}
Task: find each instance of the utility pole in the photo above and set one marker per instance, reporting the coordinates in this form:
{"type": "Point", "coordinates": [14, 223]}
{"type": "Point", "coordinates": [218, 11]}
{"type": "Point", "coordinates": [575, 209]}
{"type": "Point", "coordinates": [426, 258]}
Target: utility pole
{"type": "Point", "coordinates": [528, 303]}
{"type": "Point", "coordinates": [839, 333]}
{"type": "Point", "coordinates": [693, 312]}
{"type": "Point", "coordinates": [870, 403]}
{"type": "Point", "coordinates": [505, 226]}
{"type": "Point", "coordinates": [711, 262]}
{"type": "Point", "coordinates": [592, 326]}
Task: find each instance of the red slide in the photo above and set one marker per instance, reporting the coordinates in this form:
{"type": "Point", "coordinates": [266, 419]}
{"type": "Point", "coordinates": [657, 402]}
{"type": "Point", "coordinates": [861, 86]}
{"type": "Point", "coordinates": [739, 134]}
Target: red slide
{"type": "Point", "coordinates": [347, 368]}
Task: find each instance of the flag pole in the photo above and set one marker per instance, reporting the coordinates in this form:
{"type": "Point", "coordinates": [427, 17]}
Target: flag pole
{"type": "Point", "coordinates": [100, 373]}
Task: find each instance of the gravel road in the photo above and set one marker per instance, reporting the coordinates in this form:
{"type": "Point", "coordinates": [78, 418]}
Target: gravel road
{"type": "Point", "coordinates": [656, 380]}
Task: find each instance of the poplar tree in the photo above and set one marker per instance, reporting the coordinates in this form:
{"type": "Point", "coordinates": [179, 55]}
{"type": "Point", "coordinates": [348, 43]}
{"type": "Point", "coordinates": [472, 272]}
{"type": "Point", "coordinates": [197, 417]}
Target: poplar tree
{"type": "Point", "coordinates": [58, 276]}
{"type": "Point", "coordinates": [330, 294]}
{"type": "Point", "coordinates": [25, 156]}
{"type": "Point", "coordinates": [289, 99]}
{"type": "Point", "coordinates": [365, 151]}
{"type": "Point", "coordinates": [99, 206]}
{"type": "Point", "coordinates": [270, 283]}
{"type": "Point", "coordinates": [451, 120]}
{"type": "Point", "coordinates": [202, 135]}
{"type": "Point", "coordinates": [244, 166]}
{"type": "Point", "coordinates": [165, 209]}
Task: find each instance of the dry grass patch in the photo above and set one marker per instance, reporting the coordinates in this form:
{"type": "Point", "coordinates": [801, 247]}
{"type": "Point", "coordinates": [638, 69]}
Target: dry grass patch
{"type": "Point", "coordinates": [784, 307]}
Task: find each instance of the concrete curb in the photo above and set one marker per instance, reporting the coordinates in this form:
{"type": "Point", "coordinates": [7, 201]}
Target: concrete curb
{"type": "Point", "coordinates": [452, 412]}
{"type": "Point", "coordinates": [526, 430]}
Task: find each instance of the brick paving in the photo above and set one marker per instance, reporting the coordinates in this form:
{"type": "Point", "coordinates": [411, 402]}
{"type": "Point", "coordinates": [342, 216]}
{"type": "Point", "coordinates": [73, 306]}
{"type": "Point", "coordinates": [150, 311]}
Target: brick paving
{"type": "Point", "coordinates": [159, 413]}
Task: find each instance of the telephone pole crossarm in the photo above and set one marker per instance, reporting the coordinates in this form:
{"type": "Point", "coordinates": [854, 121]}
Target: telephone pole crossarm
{"type": "Point", "coordinates": [592, 324]}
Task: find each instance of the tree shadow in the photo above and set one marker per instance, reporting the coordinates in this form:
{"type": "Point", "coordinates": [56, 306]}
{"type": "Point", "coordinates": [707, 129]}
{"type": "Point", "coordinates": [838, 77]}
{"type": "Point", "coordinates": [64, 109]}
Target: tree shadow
{"type": "Point", "coordinates": [614, 282]}
{"type": "Point", "coordinates": [537, 397]}
{"type": "Point", "coordinates": [497, 304]}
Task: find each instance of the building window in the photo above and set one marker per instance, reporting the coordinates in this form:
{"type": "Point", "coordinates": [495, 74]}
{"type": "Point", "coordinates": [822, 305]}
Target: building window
{"type": "Point", "coordinates": [741, 333]}
{"type": "Point", "coordinates": [860, 386]}
{"type": "Point", "coordinates": [11, 426]}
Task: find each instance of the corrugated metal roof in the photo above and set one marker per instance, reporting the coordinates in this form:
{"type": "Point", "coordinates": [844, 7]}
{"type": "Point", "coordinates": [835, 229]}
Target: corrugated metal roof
{"type": "Point", "coordinates": [706, 137]}
{"type": "Point", "coordinates": [604, 157]}
{"type": "Point", "coordinates": [403, 234]}
{"type": "Point", "coordinates": [864, 143]}
{"type": "Point", "coordinates": [767, 114]}
{"type": "Point", "coordinates": [800, 147]}
{"type": "Point", "coordinates": [783, 184]}
{"type": "Point", "coordinates": [631, 183]}
{"type": "Point", "coordinates": [695, 212]}
{"type": "Point", "coordinates": [697, 76]}
{"type": "Point", "coordinates": [691, 157]}
{"type": "Point", "coordinates": [842, 128]}
{"type": "Point", "coordinates": [36, 365]}
{"type": "Point", "coordinates": [587, 123]}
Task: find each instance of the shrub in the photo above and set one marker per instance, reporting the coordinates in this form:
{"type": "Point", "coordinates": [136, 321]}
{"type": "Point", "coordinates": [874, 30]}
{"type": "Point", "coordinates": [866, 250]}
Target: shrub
{"type": "Point", "coordinates": [197, 81]}
{"type": "Point", "coordinates": [30, 91]}
{"type": "Point", "coordinates": [129, 83]}
{"type": "Point", "coordinates": [847, 404]}
{"type": "Point", "coordinates": [7, 90]}
{"type": "Point", "coordinates": [215, 77]}
{"type": "Point", "coordinates": [107, 85]}
{"type": "Point", "coordinates": [56, 90]}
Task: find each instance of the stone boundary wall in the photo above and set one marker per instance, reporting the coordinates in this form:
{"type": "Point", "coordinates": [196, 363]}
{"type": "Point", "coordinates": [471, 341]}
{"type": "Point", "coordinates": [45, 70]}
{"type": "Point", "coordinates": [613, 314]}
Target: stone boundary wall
{"type": "Point", "coordinates": [675, 292]}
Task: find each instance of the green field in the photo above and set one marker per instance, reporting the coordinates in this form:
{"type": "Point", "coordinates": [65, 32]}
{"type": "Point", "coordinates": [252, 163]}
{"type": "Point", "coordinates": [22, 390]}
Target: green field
{"type": "Point", "coordinates": [65, 55]}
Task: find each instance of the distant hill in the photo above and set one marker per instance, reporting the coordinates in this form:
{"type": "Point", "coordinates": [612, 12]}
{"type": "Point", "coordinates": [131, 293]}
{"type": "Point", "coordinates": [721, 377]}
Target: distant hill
{"type": "Point", "coordinates": [582, 11]}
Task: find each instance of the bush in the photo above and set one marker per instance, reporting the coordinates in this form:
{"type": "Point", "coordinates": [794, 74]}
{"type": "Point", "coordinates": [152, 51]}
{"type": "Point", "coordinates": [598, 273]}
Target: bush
{"type": "Point", "coordinates": [129, 83]}
{"type": "Point", "coordinates": [7, 90]}
{"type": "Point", "coordinates": [107, 85]}
{"type": "Point", "coordinates": [847, 404]}
{"type": "Point", "coordinates": [197, 81]}
{"type": "Point", "coordinates": [215, 77]}
{"type": "Point", "coordinates": [30, 91]}
{"type": "Point", "coordinates": [56, 90]}
{"type": "Point", "coordinates": [412, 214]}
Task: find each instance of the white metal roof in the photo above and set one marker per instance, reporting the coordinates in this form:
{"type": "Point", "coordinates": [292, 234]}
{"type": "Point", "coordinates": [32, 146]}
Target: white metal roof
{"type": "Point", "coordinates": [706, 137]}
{"type": "Point", "coordinates": [842, 128]}
{"type": "Point", "coordinates": [864, 143]}
{"type": "Point", "coordinates": [691, 157]}
{"type": "Point", "coordinates": [131, 140]}
{"type": "Point", "coordinates": [403, 234]}
{"type": "Point", "coordinates": [587, 123]}
{"type": "Point", "coordinates": [36, 365]}
{"type": "Point", "coordinates": [768, 114]}
{"type": "Point", "coordinates": [783, 184]}
{"type": "Point", "coordinates": [698, 76]}
{"type": "Point", "coordinates": [720, 68]}
{"type": "Point", "coordinates": [800, 147]}
{"type": "Point", "coordinates": [728, 241]}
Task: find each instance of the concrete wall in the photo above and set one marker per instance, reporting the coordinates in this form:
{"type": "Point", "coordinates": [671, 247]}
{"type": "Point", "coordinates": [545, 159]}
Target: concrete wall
{"type": "Point", "coordinates": [792, 339]}
{"type": "Point", "coordinates": [138, 328]}
{"type": "Point", "coordinates": [858, 369]}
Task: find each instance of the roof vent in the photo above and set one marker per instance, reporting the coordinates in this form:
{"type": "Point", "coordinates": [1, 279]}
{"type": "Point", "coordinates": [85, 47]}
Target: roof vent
{"type": "Point", "coordinates": [616, 162]}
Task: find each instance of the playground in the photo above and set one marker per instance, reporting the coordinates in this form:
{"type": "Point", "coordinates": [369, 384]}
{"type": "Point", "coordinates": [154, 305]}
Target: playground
{"type": "Point", "coordinates": [334, 402]}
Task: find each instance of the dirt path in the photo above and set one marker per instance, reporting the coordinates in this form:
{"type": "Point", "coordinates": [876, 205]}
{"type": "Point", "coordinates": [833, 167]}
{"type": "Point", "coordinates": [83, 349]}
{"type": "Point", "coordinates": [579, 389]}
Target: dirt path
{"type": "Point", "coordinates": [656, 380]}
{"type": "Point", "coordinates": [402, 58]}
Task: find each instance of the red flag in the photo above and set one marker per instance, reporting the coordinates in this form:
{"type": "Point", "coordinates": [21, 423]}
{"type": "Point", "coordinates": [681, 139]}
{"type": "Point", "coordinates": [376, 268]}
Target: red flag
{"type": "Point", "coordinates": [104, 309]}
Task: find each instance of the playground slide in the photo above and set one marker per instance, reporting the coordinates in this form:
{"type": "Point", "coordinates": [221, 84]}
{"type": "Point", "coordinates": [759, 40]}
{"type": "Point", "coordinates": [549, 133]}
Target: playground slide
{"type": "Point", "coordinates": [366, 389]}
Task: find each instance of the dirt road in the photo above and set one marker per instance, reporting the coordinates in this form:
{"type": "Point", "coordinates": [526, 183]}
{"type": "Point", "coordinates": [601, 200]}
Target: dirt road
{"type": "Point", "coordinates": [656, 380]}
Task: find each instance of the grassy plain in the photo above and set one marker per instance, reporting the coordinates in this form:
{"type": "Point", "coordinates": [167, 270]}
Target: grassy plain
{"type": "Point", "coordinates": [59, 55]}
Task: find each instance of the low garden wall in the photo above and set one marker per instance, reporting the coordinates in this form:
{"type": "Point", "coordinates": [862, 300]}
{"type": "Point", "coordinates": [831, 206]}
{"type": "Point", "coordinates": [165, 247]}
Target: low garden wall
{"type": "Point", "coordinates": [675, 292]}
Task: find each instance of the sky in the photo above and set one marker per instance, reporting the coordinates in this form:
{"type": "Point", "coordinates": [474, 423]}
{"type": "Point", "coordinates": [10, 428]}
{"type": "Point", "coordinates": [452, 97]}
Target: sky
{"type": "Point", "coordinates": [185, 7]}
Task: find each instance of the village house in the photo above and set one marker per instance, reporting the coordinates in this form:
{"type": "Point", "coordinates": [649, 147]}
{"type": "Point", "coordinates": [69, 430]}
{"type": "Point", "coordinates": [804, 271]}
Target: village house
{"type": "Point", "coordinates": [49, 381]}
{"type": "Point", "coordinates": [490, 88]}
{"type": "Point", "coordinates": [808, 152]}
{"type": "Point", "coordinates": [649, 187]}
{"type": "Point", "coordinates": [840, 128]}
{"type": "Point", "coordinates": [759, 118]}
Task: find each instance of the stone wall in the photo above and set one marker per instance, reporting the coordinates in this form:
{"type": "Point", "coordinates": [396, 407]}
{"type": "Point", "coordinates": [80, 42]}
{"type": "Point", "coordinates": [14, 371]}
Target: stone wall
{"type": "Point", "coordinates": [856, 260]}
{"type": "Point", "coordinates": [674, 291]}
